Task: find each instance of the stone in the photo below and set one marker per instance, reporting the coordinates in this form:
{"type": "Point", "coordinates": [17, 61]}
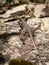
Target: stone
{"type": "Point", "coordinates": [46, 11]}
{"type": "Point", "coordinates": [47, 63]}
{"type": "Point", "coordinates": [12, 48]}
{"type": "Point", "coordinates": [6, 63]}
{"type": "Point", "coordinates": [2, 11]}
{"type": "Point", "coordinates": [16, 2]}
{"type": "Point", "coordinates": [38, 10]}
{"type": "Point", "coordinates": [2, 2]}
{"type": "Point", "coordinates": [41, 27]}
{"type": "Point", "coordinates": [10, 27]}
{"type": "Point", "coordinates": [47, 3]}
{"type": "Point", "coordinates": [42, 36]}
{"type": "Point", "coordinates": [31, 6]}
{"type": "Point", "coordinates": [34, 23]}
{"type": "Point", "coordinates": [11, 44]}
{"type": "Point", "coordinates": [15, 41]}
{"type": "Point", "coordinates": [14, 10]}
{"type": "Point", "coordinates": [45, 25]}
{"type": "Point", "coordinates": [41, 12]}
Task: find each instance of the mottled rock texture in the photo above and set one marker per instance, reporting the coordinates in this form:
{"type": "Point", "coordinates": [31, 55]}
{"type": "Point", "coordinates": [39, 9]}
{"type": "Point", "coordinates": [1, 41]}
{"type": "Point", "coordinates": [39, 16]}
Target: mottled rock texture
{"type": "Point", "coordinates": [15, 41]}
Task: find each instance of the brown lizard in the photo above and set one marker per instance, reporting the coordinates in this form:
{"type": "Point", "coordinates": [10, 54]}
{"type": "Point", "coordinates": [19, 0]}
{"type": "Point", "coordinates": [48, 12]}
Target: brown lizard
{"type": "Point", "coordinates": [29, 31]}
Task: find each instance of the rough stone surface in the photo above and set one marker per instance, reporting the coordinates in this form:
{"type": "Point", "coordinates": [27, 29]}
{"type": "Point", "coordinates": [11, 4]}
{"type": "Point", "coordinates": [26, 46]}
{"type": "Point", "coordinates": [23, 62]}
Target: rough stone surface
{"type": "Point", "coordinates": [11, 50]}
{"type": "Point", "coordinates": [14, 10]}
{"type": "Point", "coordinates": [16, 1]}
{"type": "Point", "coordinates": [2, 2]}
{"type": "Point", "coordinates": [34, 23]}
{"type": "Point", "coordinates": [11, 43]}
{"type": "Point", "coordinates": [46, 11]}
{"type": "Point", "coordinates": [10, 27]}
{"type": "Point", "coordinates": [38, 10]}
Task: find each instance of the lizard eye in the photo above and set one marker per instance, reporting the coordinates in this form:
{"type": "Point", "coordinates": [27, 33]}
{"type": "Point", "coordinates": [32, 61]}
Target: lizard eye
{"type": "Point", "coordinates": [23, 43]}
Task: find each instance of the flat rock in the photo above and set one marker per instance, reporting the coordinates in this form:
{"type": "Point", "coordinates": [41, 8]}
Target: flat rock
{"type": "Point", "coordinates": [13, 47]}
{"type": "Point", "coordinates": [10, 27]}
{"type": "Point", "coordinates": [2, 2]}
{"type": "Point", "coordinates": [46, 24]}
{"type": "Point", "coordinates": [41, 27]}
{"type": "Point", "coordinates": [41, 10]}
{"type": "Point", "coordinates": [46, 11]}
{"type": "Point", "coordinates": [16, 2]}
{"type": "Point", "coordinates": [38, 10]}
{"type": "Point", "coordinates": [14, 10]}
{"type": "Point", "coordinates": [34, 23]}
{"type": "Point", "coordinates": [42, 36]}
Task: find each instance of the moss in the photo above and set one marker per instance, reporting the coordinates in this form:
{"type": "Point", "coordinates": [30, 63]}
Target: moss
{"type": "Point", "coordinates": [24, 1]}
{"type": "Point", "coordinates": [14, 62]}
{"type": "Point", "coordinates": [1, 55]}
{"type": "Point", "coordinates": [23, 62]}
{"type": "Point", "coordinates": [19, 62]}
{"type": "Point", "coordinates": [9, 1]}
{"type": "Point", "coordinates": [1, 58]}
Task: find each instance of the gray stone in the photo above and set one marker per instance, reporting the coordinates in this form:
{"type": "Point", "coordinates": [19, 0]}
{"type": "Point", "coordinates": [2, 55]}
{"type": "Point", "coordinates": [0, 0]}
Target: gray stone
{"type": "Point", "coordinates": [10, 27]}
{"type": "Point", "coordinates": [47, 2]}
{"type": "Point", "coordinates": [12, 47]}
{"type": "Point", "coordinates": [34, 23]}
{"type": "Point", "coordinates": [38, 10]}
{"type": "Point", "coordinates": [2, 2]}
{"type": "Point", "coordinates": [14, 10]}
{"type": "Point", "coordinates": [16, 2]}
{"type": "Point", "coordinates": [42, 36]}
